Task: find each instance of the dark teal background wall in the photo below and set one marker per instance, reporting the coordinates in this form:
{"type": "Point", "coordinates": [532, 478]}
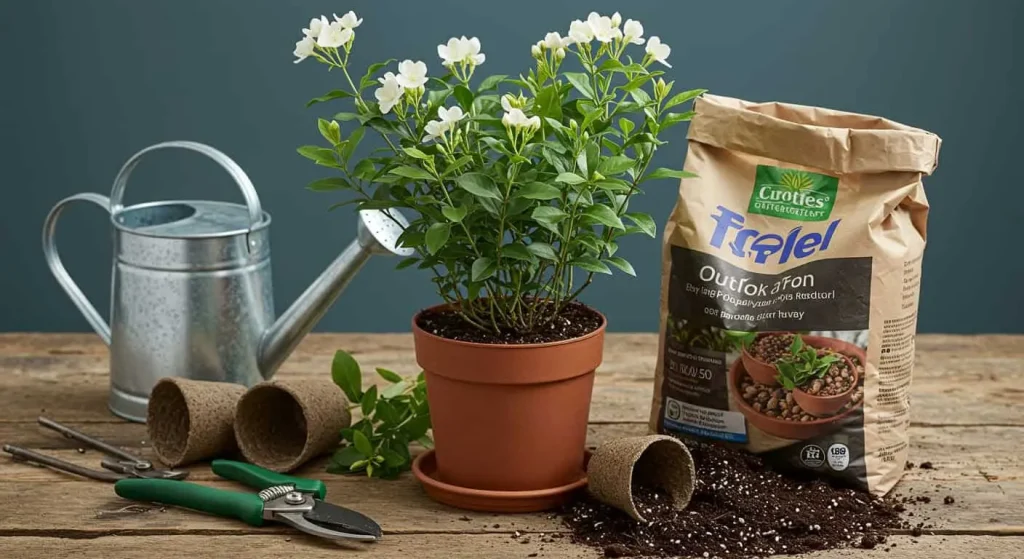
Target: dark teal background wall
{"type": "Point", "coordinates": [85, 84]}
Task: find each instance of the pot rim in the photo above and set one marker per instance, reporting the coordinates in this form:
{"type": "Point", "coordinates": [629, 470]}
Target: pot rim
{"type": "Point", "coordinates": [853, 385]}
{"type": "Point", "coordinates": [421, 332]}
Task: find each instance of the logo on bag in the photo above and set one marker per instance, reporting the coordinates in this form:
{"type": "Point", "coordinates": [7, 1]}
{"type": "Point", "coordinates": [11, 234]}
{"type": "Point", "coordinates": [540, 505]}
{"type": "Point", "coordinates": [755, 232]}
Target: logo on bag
{"type": "Point", "coordinates": [793, 194]}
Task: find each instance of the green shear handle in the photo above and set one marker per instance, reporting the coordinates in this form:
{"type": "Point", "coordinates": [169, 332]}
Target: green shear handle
{"type": "Point", "coordinates": [247, 507]}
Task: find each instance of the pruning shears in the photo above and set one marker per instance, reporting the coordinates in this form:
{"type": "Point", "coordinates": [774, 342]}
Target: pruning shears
{"type": "Point", "coordinates": [295, 501]}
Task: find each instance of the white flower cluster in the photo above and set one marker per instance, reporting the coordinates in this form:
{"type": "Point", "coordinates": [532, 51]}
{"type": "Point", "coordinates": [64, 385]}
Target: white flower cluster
{"type": "Point", "coordinates": [412, 76]}
{"type": "Point", "coordinates": [326, 34]}
{"type": "Point", "coordinates": [515, 117]}
{"type": "Point", "coordinates": [606, 29]}
{"type": "Point", "coordinates": [448, 121]}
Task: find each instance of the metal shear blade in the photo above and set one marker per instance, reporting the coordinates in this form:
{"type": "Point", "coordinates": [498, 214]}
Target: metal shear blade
{"type": "Point", "coordinates": [318, 518]}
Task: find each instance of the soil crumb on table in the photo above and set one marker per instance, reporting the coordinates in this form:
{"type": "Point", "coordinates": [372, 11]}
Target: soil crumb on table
{"type": "Point", "coordinates": [741, 508]}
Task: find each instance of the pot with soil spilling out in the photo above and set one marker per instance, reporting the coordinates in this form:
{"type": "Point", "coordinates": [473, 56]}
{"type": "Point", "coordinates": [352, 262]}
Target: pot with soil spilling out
{"type": "Point", "coordinates": [508, 417]}
{"type": "Point", "coordinates": [760, 356]}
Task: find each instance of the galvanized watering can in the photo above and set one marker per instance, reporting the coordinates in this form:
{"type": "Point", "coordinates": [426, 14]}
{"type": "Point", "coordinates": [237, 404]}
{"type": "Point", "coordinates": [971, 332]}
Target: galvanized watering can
{"type": "Point", "coordinates": [191, 294]}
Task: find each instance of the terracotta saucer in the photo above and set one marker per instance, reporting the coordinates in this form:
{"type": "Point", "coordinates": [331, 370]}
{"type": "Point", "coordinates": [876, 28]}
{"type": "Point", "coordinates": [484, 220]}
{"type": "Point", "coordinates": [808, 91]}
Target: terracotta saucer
{"type": "Point", "coordinates": [425, 470]}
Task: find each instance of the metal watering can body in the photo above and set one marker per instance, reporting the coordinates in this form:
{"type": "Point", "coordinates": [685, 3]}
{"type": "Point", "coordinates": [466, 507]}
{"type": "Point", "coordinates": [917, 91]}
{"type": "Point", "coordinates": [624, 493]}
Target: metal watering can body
{"type": "Point", "coordinates": [191, 292]}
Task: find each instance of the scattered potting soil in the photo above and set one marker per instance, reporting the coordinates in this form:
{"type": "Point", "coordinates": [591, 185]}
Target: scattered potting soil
{"type": "Point", "coordinates": [575, 320]}
{"type": "Point", "coordinates": [777, 402]}
{"type": "Point", "coordinates": [740, 508]}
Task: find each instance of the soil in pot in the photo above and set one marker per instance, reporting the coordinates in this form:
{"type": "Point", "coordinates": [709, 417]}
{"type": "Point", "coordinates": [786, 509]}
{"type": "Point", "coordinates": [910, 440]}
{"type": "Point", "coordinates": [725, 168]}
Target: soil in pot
{"type": "Point", "coordinates": [741, 508]}
{"type": "Point", "coordinates": [759, 359]}
{"type": "Point", "coordinates": [778, 403]}
{"type": "Point", "coordinates": [575, 320]}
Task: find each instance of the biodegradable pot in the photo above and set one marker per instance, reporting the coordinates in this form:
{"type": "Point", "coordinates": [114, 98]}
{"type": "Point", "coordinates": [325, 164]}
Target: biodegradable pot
{"type": "Point", "coordinates": [761, 371]}
{"type": "Point", "coordinates": [281, 424]}
{"type": "Point", "coordinates": [192, 420]}
{"type": "Point", "coordinates": [821, 406]}
{"type": "Point", "coordinates": [655, 461]}
{"type": "Point", "coordinates": [509, 417]}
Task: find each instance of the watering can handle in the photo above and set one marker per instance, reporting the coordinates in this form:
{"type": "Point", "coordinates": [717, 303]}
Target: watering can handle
{"type": "Point", "coordinates": [252, 201]}
{"type": "Point", "coordinates": [59, 272]}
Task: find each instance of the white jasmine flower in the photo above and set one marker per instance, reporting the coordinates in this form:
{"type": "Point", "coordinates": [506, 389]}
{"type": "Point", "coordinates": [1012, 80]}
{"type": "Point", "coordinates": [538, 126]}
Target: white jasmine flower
{"type": "Point", "coordinates": [533, 123]}
{"type": "Point", "coordinates": [450, 117]}
{"type": "Point", "coordinates": [315, 25]}
{"type": "Point", "coordinates": [508, 102]}
{"type": "Point", "coordinates": [559, 53]}
{"type": "Point", "coordinates": [389, 93]}
{"type": "Point", "coordinates": [535, 50]}
{"type": "Point", "coordinates": [602, 28]}
{"type": "Point", "coordinates": [616, 19]}
{"type": "Point", "coordinates": [633, 32]}
{"type": "Point", "coordinates": [555, 41]}
{"type": "Point", "coordinates": [303, 49]}
{"type": "Point", "coordinates": [658, 51]}
{"type": "Point", "coordinates": [580, 32]}
{"type": "Point", "coordinates": [412, 75]}
{"type": "Point", "coordinates": [461, 50]}
{"type": "Point", "coordinates": [434, 130]}
{"type": "Point", "coordinates": [349, 20]}
{"type": "Point", "coordinates": [333, 35]}
{"type": "Point", "coordinates": [514, 118]}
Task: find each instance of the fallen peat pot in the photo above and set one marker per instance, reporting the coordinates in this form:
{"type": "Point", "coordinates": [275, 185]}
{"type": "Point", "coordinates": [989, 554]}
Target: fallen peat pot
{"type": "Point", "coordinates": [652, 461]}
{"type": "Point", "coordinates": [761, 371]}
{"type": "Point", "coordinates": [506, 417]}
{"type": "Point", "coordinates": [822, 406]}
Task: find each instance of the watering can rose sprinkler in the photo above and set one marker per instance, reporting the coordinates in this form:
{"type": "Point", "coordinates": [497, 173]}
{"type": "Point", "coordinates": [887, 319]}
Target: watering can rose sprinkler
{"type": "Point", "coordinates": [191, 290]}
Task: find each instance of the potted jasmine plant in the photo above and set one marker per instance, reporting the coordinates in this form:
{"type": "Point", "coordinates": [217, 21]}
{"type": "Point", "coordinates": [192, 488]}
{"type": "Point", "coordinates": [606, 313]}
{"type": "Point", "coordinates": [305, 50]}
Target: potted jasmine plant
{"type": "Point", "coordinates": [518, 193]}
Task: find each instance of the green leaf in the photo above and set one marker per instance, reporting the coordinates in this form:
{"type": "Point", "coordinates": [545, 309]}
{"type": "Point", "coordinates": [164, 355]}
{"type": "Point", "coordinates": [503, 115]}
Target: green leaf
{"type": "Point", "coordinates": [637, 82]}
{"type": "Point", "coordinates": [621, 264]}
{"type": "Point", "coordinates": [324, 185]}
{"type": "Point", "coordinates": [343, 460]}
{"type": "Point", "coordinates": [542, 250]}
{"type": "Point", "coordinates": [671, 119]}
{"type": "Point", "coordinates": [410, 172]}
{"type": "Point", "coordinates": [345, 117]}
{"type": "Point", "coordinates": [626, 126]}
{"type": "Point", "coordinates": [491, 82]}
{"type": "Point", "coordinates": [605, 215]}
{"type": "Point", "coordinates": [517, 251]}
{"type": "Point", "coordinates": [456, 213]}
{"type": "Point", "coordinates": [389, 376]}
{"type": "Point", "coordinates": [683, 97]}
{"type": "Point", "coordinates": [581, 82]}
{"type": "Point", "coordinates": [364, 170]}
{"type": "Point", "coordinates": [362, 444]}
{"type": "Point", "coordinates": [665, 173]}
{"type": "Point", "coordinates": [613, 186]}
{"type": "Point", "coordinates": [478, 184]}
{"type": "Point", "coordinates": [615, 165]}
{"type": "Point", "coordinates": [406, 262]}
{"type": "Point", "coordinates": [640, 96]}
{"type": "Point", "coordinates": [483, 268]}
{"type": "Point", "coordinates": [322, 156]}
{"type": "Point", "coordinates": [611, 247]}
{"type": "Point", "coordinates": [591, 264]}
{"type": "Point", "coordinates": [369, 401]}
{"type": "Point", "coordinates": [548, 216]}
{"type": "Point", "coordinates": [393, 459]}
{"type": "Point", "coordinates": [413, 152]}
{"type": "Point", "coordinates": [538, 191]}
{"type": "Point", "coordinates": [644, 222]}
{"type": "Point", "coordinates": [368, 80]}
{"type": "Point", "coordinates": [352, 143]}
{"type": "Point", "coordinates": [570, 178]}
{"type": "Point", "coordinates": [334, 94]}
{"type": "Point", "coordinates": [548, 104]}
{"type": "Point", "coordinates": [610, 65]}
{"type": "Point", "coordinates": [464, 96]}
{"type": "Point", "coordinates": [395, 390]}
{"type": "Point", "coordinates": [346, 374]}
{"type": "Point", "coordinates": [437, 236]}
{"type": "Point", "coordinates": [330, 133]}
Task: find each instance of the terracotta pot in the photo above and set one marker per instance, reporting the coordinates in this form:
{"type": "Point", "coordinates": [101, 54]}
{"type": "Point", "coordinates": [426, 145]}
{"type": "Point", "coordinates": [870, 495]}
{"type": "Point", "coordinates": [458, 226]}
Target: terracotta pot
{"type": "Point", "coordinates": [509, 417]}
{"type": "Point", "coordinates": [761, 371]}
{"type": "Point", "coordinates": [796, 430]}
{"type": "Point", "coordinates": [822, 406]}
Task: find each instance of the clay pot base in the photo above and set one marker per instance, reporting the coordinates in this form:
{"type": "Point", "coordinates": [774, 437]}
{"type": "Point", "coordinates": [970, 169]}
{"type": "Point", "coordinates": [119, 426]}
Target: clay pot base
{"type": "Point", "coordinates": [425, 470]}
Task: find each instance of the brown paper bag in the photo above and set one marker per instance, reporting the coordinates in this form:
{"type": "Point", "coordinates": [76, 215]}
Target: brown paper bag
{"type": "Point", "coordinates": [791, 272]}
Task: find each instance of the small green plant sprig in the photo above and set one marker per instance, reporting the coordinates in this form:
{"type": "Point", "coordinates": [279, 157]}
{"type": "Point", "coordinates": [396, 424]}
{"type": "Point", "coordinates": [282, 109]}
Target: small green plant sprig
{"type": "Point", "coordinates": [802, 364]}
{"type": "Point", "coordinates": [708, 337]}
{"type": "Point", "coordinates": [378, 444]}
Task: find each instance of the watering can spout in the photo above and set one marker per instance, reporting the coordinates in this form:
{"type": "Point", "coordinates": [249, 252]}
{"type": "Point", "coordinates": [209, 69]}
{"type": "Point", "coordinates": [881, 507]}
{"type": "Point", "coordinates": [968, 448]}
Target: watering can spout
{"type": "Point", "coordinates": [378, 234]}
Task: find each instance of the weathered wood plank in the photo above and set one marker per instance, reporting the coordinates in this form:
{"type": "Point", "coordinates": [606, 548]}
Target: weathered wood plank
{"type": "Point", "coordinates": [446, 546]}
{"type": "Point", "coordinates": [401, 506]}
{"type": "Point", "coordinates": [957, 453]}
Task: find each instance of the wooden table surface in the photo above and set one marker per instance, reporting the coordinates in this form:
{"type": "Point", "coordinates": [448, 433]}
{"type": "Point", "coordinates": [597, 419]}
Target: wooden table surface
{"type": "Point", "coordinates": [968, 420]}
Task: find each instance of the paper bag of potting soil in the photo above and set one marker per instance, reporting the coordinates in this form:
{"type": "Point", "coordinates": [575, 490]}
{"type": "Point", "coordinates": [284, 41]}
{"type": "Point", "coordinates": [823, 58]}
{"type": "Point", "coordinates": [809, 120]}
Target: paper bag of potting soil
{"type": "Point", "coordinates": [791, 272]}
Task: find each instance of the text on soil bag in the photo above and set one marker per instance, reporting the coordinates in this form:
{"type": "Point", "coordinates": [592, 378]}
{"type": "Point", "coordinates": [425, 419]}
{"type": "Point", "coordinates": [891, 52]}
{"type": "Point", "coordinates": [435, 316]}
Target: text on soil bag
{"type": "Point", "coordinates": [748, 242]}
{"type": "Point", "coordinates": [793, 194]}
